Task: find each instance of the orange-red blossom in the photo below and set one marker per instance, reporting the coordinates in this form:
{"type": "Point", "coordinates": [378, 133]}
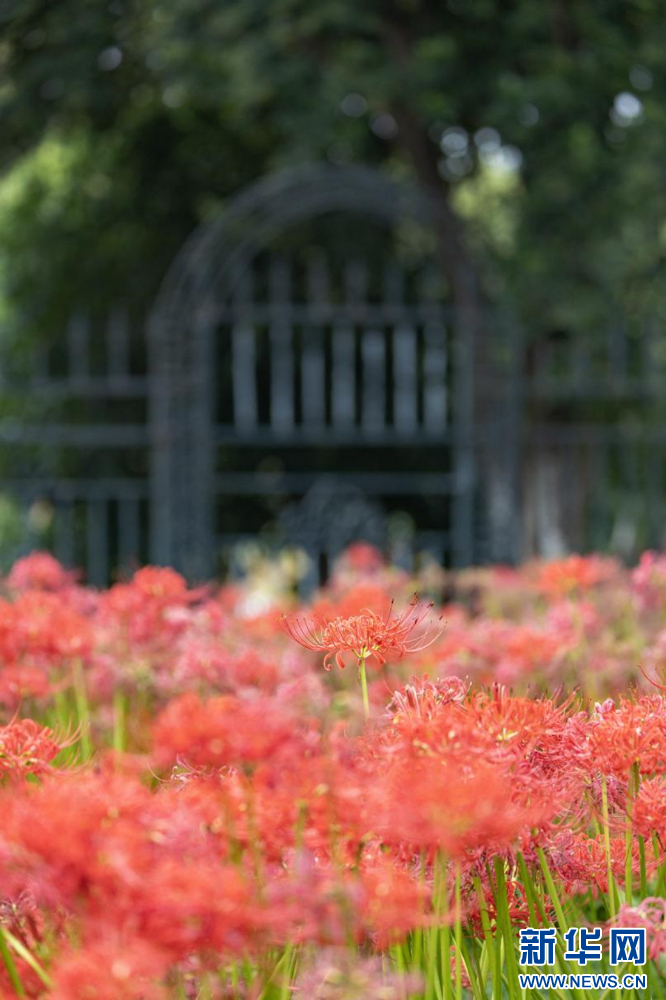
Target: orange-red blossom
{"type": "Point", "coordinates": [366, 635]}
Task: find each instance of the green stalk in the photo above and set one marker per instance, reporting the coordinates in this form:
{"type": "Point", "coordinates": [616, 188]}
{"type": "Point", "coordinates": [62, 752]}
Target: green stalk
{"type": "Point", "coordinates": [10, 965]}
{"type": "Point", "coordinates": [283, 965]}
{"type": "Point", "coordinates": [530, 896]}
{"type": "Point", "coordinates": [119, 733]}
{"type": "Point", "coordinates": [504, 924]}
{"type": "Point", "coordinates": [490, 944]}
{"type": "Point", "coordinates": [364, 686]}
{"type": "Point", "coordinates": [552, 890]}
{"type": "Point", "coordinates": [445, 943]}
{"type": "Point", "coordinates": [433, 937]}
{"type": "Point", "coordinates": [641, 854]}
{"type": "Point", "coordinates": [661, 881]}
{"type": "Point", "coordinates": [417, 935]}
{"type": "Point", "coordinates": [62, 712]}
{"type": "Point", "coordinates": [82, 708]}
{"type": "Point", "coordinates": [628, 842]}
{"type": "Point", "coordinates": [457, 933]}
{"type": "Point", "coordinates": [607, 848]}
{"type": "Point", "coordinates": [557, 906]}
{"type": "Point", "coordinates": [29, 959]}
{"type": "Point", "coordinates": [235, 983]}
{"type": "Point", "coordinates": [397, 956]}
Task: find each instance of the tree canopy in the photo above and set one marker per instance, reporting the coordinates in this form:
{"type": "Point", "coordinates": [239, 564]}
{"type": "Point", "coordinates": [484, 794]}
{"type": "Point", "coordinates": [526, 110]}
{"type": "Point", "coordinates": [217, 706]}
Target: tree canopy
{"type": "Point", "coordinates": [539, 125]}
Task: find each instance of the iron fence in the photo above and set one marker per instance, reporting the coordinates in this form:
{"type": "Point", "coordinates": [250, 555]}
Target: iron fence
{"type": "Point", "coordinates": [307, 393]}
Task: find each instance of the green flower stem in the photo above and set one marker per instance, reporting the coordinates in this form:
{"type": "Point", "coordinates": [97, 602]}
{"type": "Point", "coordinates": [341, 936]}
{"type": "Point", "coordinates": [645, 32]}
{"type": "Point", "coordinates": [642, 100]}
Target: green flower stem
{"type": "Point", "coordinates": [364, 686]}
{"type": "Point", "coordinates": [10, 965]}
{"type": "Point", "coordinates": [119, 724]}
{"type": "Point", "coordinates": [82, 709]}
{"type": "Point", "coordinates": [28, 958]}
{"type": "Point", "coordinates": [612, 908]}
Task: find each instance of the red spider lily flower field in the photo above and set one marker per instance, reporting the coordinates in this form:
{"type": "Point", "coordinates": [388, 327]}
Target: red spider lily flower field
{"type": "Point", "coordinates": [217, 792]}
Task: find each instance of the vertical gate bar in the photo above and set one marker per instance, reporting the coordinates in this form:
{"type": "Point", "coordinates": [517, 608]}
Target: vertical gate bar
{"type": "Point", "coordinates": [97, 542]}
{"type": "Point", "coordinates": [164, 337]}
{"type": "Point", "coordinates": [394, 287]}
{"type": "Point", "coordinates": [464, 458]}
{"type": "Point", "coordinates": [435, 394]}
{"type": "Point", "coordinates": [63, 532]}
{"type": "Point", "coordinates": [281, 338]}
{"type": "Point", "coordinates": [572, 490]}
{"type": "Point", "coordinates": [403, 400]}
{"type": "Point", "coordinates": [625, 535]}
{"type": "Point", "coordinates": [118, 343]}
{"type": "Point", "coordinates": [30, 540]}
{"type": "Point", "coordinates": [505, 441]}
{"type": "Point", "coordinates": [343, 378]}
{"type": "Point", "coordinates": [244, 376]}
{"type": "Point", "coordinates": [244, 355]}
{"type": "Point", "coordinates": [652, 455]}
{"type": "Point", "coordinates": [602, 498]}
{"type": "Point", "coordinates": [78, 346]}
{"type": "Point", "coordinates": [355, 278]}
{"type": "Point", "coordinates": [405, 379]}
{"type": "Point", "coordinates": [313, 370]}
{"type": "Point", "coordinates": [200, 560]}
{"type": "Point", "coordinates": [128, 533]}
{"type": "Point", "coordinates": [373, 402]}
{"type": "Point", "coordinates": [313, 378]}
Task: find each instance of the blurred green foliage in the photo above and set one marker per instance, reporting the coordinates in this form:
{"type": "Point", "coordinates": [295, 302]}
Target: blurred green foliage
{"type": "Point", "coordinates": [542, 124]}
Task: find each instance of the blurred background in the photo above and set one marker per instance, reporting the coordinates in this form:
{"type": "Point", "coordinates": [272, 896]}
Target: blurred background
{"type": "Point", "coordinates": [283, 274]}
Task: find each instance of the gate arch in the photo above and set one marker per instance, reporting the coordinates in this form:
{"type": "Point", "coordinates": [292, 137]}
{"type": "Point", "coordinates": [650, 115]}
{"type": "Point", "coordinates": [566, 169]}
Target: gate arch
{"type": "Point", "coordinates": [206, 273]}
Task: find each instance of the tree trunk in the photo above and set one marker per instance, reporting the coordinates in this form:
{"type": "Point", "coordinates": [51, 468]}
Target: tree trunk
{"type": "Point", "coordinates": [485, 421]}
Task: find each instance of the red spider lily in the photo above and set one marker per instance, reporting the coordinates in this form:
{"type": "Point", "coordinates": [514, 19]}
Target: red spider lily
{"type": "Point", "coordinates": [436, 805]}
{"type": "Point", "coordinates": [393, 903]}
{"type": "Point", "coordinates": [515, 900]}
{"type": "Point", "coordinates": [634, 733]}
{"type": "Point", "coordinates": [40, 628]}
{"type": "Point", "coordinates": [574, 574]}
{"type": "Point", "coordinates": [314, 902]}
{"type": "Point", "coordinates": [494, 650]}
{"type": "Point", "coordinates": [649, 809]}
{"type": "Point", "coordinates": [491, 727]}
{"type": "Point", "coordinates": [151, 608]}
{"type": "Point", "coordinates": [149, 867]}
{"type": "Point", "coordinates": [318, 902]}
{"type": "Point", "coordinates": [40, 571]}
{"type": "Point", "coordinates": [581, 861]}
{"type": "Point", "coordinates": [110, 970]}
{"type": "Point", "coordinates": [425, 698]}
{"type": "Point", "coordinates": [651, 914]}
{"type": "Point", "coordinates": [313, 799]}
{"type": "Point", "coordinates": [353, 601]}
{"type": "Point", "coordinates": [271, 820]}
{"type": "Point", "coordinates": [367, 635]}
{"type": "Point", "coordinates": [52, 834]}
{"type": "Point", "coordinates": [221, 732]}
{"type": "Point", "coordinates": [206, 662]}
{"type": "Point", "coordinates": [20, 681]}
{"type": "Point", "coordinates": [649, 581]}
{"type": "Point", "coordinates": [28, 748]}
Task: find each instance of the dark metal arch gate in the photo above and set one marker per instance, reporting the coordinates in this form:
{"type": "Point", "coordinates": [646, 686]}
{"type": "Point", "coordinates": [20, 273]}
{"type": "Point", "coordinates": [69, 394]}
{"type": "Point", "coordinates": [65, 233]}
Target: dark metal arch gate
{"type": "Point", "coordinates": [204, 287]}
{"type": "Point", "coordinates": [111, 440]}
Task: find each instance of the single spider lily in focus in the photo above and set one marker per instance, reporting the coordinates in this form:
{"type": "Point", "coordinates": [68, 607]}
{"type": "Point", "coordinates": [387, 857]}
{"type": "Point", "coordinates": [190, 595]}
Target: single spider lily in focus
{"type": "Point", "coordinates": [366, 636]}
